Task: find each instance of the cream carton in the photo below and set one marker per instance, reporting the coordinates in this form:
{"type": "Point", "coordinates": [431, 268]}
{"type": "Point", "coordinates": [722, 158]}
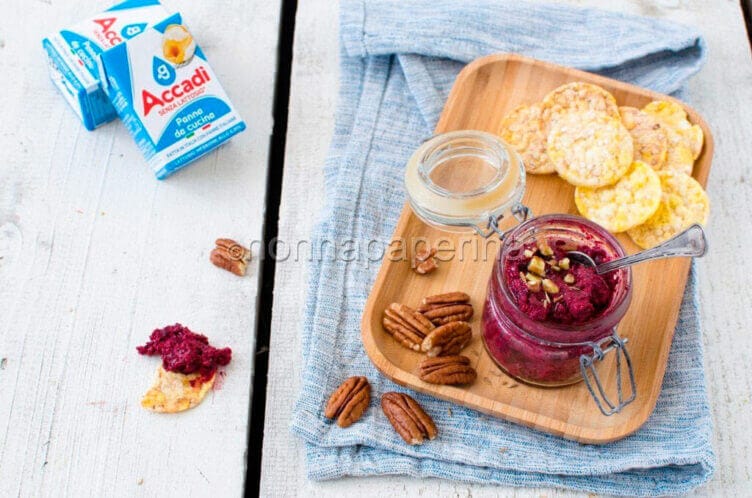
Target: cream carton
{"type": "Point", "coordinates": [72, 55]}
{"type": "Point", "coordinates": [168, 96]}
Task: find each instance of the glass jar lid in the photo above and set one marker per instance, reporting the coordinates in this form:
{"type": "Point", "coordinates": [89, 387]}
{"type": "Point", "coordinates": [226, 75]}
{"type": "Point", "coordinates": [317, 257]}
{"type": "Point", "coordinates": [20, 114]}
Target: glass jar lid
{"type": "Point", "coordinates": [465, 180]}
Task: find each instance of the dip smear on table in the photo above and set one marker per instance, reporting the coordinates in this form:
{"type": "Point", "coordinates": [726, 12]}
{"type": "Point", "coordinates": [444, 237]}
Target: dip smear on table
{"type": "Point", "coordinates": [186, 352]}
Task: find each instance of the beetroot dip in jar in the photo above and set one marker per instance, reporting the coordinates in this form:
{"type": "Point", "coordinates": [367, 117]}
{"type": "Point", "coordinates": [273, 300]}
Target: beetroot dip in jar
{"type": "Point", "coordinates": [543, 311]}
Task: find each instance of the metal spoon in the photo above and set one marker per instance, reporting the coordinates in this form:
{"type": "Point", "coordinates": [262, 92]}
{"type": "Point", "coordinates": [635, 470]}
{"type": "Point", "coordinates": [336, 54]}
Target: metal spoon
{"type": "Point", "coordinates": [691, 242]}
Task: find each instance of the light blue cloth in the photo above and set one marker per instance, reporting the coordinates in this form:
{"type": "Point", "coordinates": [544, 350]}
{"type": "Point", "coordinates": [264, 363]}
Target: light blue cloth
{"type": "Point", "coordinates": [399, 60]}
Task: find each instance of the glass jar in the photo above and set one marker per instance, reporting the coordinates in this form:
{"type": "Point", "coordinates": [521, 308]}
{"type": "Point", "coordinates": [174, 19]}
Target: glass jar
{"type": "Point", "coordinates": [549, 353]}
{"type": "Point", "coordinates": [465, 180]}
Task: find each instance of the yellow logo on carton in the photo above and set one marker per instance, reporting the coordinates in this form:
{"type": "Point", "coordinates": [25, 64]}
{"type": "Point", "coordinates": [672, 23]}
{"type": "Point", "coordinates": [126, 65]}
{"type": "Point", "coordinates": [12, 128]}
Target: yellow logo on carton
{"type": "Point", "coordinates": [178, 45]}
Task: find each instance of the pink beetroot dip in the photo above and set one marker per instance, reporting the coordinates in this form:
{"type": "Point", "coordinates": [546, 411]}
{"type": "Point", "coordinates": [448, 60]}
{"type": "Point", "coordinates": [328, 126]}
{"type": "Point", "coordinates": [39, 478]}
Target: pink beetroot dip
{"type": "Point", "coordinates": [185, 352]}
{"type": "Point", "coordinates": [575, 303]}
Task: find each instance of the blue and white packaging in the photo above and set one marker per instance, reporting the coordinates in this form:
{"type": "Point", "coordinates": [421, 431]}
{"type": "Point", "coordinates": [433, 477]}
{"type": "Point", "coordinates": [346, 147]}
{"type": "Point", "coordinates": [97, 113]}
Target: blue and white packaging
{"type": "Point", "coordinates": [168, 96]}
{"type": "Point", "coordinates": [72, 55]}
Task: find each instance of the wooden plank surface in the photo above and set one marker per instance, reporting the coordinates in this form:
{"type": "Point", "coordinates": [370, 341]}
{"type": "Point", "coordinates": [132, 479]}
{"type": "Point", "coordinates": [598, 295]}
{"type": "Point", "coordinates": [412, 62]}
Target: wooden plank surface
{"type": "Point", "coordinates": [95, 253]}
{"type": "Point", "coordinates": [721, 93]}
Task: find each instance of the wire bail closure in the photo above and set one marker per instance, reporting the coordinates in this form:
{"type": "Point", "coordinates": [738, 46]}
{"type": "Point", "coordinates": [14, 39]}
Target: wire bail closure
{"type": "Point", "coordinates": [587, 366]}
{"type": "Point", "coordinates": [520, 212]}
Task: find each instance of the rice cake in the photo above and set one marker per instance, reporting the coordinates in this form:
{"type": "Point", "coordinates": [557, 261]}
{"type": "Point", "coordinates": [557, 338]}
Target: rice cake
{"type": "Point", "coordinates": [589, 148]}
{"type": "Point", "coordinates": [685, 139]}
{"type": "Point", "coordinates": [683, 203]}
{"type": "Point", "coordinates": [627, 203]}
{"type": "Point", "coordinates": [526, 130]}
{"type": "Point", "coordinates": [173, 392]}
{"type": "Point", "coordinates": [578, 97]}
{"type": "Point", "coordinates": [679, 158]}
{"type": "Point", "coordinates": [670, 113]}
{"type": "Point", "coordinates": [648, 135]}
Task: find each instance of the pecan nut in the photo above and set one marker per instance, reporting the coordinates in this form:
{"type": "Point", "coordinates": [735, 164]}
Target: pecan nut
{"type": "Point", "coordinates": [445, 308]}
{"type": "Point", "coordinates": [425, 261]}
{"type": "Point", "coordinates": [230, 256]}
{"type": "Point", "coordinates": [447, 340]}
{"type": "Point", "coordinates": [447, 370]}
{"type": "Point", "coordinates": [406, 325]}
{"type": "Point", "coordinates": [407, 417]}
{"type": "Point", "coordinates": [349, 401]}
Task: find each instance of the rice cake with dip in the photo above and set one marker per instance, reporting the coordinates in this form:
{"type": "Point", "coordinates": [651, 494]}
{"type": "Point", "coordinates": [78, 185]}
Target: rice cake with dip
{"type": "Point", "coordinates": [173, 392]}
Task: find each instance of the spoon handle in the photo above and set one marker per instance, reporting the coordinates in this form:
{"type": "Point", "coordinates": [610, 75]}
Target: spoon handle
{"type": "Point", "coordinates": [691, 242]}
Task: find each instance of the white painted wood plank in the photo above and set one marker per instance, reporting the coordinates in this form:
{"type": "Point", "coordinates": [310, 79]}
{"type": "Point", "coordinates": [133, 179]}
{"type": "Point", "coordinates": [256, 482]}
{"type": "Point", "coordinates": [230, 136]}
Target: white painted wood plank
{"type": "Point", "coordinates": [721, 92]}
{"type": "Point", "coordinates": [96, 253]}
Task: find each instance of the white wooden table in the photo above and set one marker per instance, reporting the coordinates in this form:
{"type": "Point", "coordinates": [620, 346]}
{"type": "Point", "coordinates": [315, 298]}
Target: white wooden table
{"type": "Point", "coordinates": [721, 92]}
{"type": "Point", "coordinates": [95, 253]}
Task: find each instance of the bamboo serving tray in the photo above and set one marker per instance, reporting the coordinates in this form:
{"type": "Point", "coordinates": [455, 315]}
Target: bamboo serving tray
{"type": "Point", "coordinates": [484, 92]}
